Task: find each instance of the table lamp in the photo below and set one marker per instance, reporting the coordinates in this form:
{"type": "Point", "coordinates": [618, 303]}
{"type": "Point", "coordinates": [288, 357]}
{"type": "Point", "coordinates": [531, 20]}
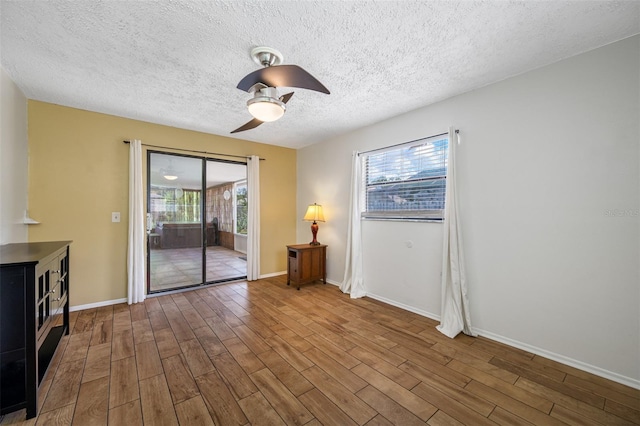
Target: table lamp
{"type": "Point", "coordinates": [314, 213]}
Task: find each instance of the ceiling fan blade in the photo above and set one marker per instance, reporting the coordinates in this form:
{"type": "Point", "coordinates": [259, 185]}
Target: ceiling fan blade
{"type": "Point", "coordinates": [250, 125]}
{"type": "Point", "coordinates": [282, 76]}
{"type": "Point", "coordinates": [285, 98]}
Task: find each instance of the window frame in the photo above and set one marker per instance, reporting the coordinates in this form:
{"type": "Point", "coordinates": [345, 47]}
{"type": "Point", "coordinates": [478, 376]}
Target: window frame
{"type": "Point", "coordinates": [407, 215]}
{"type": "Point", "coordinates": [236, 185]}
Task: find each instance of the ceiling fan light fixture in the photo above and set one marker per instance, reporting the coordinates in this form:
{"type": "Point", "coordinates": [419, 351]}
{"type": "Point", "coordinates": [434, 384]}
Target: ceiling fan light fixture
{"type": "Point", "coordinates": [266, 108]}
{"type": "Point", "coordinates": [170, 177]}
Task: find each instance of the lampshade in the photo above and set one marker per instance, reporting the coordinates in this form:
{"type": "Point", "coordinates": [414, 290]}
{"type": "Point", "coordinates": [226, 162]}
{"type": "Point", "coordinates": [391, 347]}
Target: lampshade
{"type": "Point", "coordinates": [170, 177]}
{"type": "Point", "coordinates": [314, 213]}
{"type": "Point", "coordinates": [266, 108]}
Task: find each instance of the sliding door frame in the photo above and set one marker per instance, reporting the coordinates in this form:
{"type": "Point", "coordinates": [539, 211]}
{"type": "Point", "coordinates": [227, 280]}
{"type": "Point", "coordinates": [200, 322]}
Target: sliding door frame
{"type": "Point", "coordinates": [203, 219]}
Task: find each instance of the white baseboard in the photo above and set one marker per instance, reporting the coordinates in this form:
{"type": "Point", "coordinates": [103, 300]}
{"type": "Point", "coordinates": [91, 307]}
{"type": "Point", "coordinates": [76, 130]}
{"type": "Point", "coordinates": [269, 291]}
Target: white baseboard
{"type": "Point", "coordinates": [615, 377]}
{"type": "Point", "coordinates": [273, 274]}
{"type": "Point", "coordinates": [96, 305]}
{"type": "Point", "coordinates": [405, 307]}
{"type": "Point", "coordinates": [116, 301]}
{"type": "Point", "coordinates": [610, 375]}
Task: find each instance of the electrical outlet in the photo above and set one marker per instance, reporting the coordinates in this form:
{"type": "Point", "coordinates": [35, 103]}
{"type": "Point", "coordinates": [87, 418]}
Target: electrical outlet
{"type": "Point", "coordinates": [115, 216]}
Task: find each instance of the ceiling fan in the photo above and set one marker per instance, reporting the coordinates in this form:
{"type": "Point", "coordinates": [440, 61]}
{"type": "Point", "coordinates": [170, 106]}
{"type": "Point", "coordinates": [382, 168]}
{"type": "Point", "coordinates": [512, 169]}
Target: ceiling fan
{"type": "Point", "coordinates": [265, 105]}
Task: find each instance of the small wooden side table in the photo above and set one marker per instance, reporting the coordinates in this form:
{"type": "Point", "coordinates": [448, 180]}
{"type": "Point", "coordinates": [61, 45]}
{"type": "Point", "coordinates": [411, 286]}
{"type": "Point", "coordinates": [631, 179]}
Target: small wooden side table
{"type": "Point", "coordinates": [306, 263]}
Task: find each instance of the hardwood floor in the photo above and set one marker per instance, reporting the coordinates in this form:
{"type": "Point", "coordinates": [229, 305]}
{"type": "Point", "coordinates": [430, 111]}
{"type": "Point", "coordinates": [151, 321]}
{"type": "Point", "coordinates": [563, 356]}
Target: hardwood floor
{"type": "Point", "coordinates": [262, 353]}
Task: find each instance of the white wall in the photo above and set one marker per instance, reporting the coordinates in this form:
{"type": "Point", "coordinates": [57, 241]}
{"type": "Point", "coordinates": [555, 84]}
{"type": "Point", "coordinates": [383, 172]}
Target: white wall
{"type": "Point", "coordinates": [549, 192]}
{"type": "Point", "coordinates": [240, 243]}
{"type": "Point", "coordinates": [13, 161]}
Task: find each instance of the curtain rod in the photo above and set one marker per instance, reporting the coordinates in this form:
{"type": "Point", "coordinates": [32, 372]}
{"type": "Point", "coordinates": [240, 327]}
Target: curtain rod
{"type": "Point", "coordinates": [198, 152]}
{"type": "Point", "coordinates": [405, 143]}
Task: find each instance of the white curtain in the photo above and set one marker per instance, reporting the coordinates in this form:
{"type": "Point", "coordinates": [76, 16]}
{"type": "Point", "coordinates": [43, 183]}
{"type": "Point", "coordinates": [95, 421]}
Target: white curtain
{"type": "Point", "coordinates": [353, 281]}
{"type": "Point", "coordinates": [253, 225]}
{"type": "Point", "coordinates": [455, 316]}
{"type": "Point", "coordinates": [136, 267]}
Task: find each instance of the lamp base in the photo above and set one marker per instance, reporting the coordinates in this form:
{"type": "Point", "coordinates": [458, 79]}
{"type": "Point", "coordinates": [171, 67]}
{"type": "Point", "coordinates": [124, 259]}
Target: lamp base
{"type": "Point", "coordinates": [314, 231]}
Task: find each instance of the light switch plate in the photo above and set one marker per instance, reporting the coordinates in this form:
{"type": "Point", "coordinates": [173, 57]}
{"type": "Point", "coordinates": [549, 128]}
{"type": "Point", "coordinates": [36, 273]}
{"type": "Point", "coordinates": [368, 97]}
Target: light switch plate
{"type": "Point", "coordinates": [115, 216]}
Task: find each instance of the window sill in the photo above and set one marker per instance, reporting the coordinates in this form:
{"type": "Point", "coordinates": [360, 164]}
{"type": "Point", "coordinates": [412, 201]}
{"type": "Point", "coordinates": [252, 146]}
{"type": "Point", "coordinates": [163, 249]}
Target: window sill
{"type": "Point", "coordinates": [402, 219]}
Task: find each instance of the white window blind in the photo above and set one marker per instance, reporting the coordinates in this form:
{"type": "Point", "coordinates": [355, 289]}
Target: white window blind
{"type": "Point", "coordinates": [407, 181]}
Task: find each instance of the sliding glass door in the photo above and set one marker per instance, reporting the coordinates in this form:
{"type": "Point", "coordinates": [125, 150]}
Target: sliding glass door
{"type": "Point", "coordinates": [192, 226]}
{"type": "Point", "coordinates": [226, 235]}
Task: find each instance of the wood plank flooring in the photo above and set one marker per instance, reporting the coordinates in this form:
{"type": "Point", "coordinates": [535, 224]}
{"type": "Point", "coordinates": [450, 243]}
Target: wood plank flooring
{"type": "Point", "coordinates": [262, 353]}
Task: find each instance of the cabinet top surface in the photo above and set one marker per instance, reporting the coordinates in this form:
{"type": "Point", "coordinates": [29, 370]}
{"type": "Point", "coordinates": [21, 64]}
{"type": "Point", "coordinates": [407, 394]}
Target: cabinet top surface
{"type": "Point", "coordinates": [19, 253]}
{"type": "Point", "coordinates": [305, 246]}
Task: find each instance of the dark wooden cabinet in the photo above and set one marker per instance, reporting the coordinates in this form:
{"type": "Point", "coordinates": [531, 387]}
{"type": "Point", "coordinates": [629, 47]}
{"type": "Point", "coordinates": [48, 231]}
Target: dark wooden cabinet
{"type": "Point", "coordinates": [306, 263]}
{"type": "Point", "coordinates": [34, 315]}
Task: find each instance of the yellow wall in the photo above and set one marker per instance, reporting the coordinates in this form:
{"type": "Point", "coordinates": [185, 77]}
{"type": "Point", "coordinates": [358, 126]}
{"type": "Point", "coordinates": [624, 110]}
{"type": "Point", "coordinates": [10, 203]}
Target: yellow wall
{"type": "Point", "coordinates": [78, 175]}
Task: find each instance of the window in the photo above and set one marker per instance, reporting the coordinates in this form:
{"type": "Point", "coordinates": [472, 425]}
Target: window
{"type": "Point", "coordinates": [241, 212]}
{"type": "Point", "coordinates": [174, 204]}
{"type": "Point", "coordinates": [406, 181]}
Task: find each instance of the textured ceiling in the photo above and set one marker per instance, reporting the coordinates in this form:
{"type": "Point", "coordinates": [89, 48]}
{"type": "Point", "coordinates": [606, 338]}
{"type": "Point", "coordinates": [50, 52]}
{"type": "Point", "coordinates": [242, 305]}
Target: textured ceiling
{"type": "Point", "coordinates": [178, 63]}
